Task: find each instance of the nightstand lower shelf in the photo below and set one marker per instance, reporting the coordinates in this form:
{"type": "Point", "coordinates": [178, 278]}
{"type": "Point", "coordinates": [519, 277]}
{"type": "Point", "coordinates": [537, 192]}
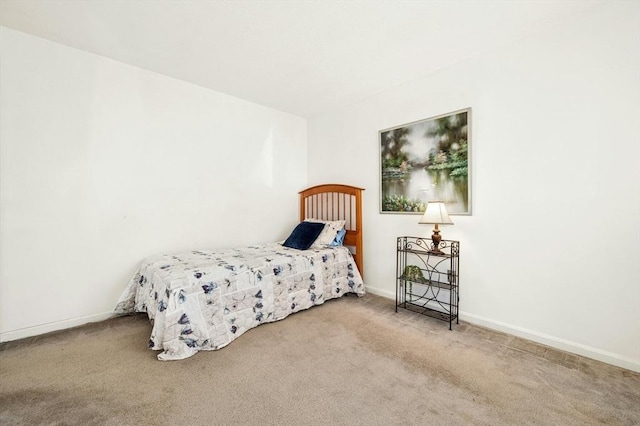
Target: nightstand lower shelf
{"type": "Point", "coordinates": [433, 313]}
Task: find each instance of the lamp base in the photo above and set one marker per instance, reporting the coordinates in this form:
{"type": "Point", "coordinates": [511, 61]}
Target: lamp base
{"type": "Point", "coordinates": [435, 240]}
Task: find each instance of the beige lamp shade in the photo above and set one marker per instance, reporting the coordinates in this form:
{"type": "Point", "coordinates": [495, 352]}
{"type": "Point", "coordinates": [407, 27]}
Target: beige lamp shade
{"type": "Point", "coordinates": [436, 213]}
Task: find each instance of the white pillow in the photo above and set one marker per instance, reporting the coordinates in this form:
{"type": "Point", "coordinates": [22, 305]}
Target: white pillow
{"type": "Point", "coordinates": [328, 234]}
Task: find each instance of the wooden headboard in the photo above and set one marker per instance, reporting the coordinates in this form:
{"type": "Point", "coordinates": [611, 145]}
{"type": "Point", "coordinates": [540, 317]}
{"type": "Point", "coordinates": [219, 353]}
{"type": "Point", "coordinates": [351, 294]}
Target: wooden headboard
{"type": "Point", "coordinates": [337, 202]}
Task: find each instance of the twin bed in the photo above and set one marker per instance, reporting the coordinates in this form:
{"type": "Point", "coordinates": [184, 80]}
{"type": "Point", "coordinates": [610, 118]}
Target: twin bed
{"type": "Point", "coordinates": [203, 300]}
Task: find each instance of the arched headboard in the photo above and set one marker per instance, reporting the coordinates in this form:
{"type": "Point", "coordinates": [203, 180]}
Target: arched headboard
{"type": "Point", "coordinates": [337, 202]}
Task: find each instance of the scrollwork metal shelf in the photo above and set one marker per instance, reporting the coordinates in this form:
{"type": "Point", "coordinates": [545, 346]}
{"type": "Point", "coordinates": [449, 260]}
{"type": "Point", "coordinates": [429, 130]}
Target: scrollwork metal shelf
{"type": "Point", "coordinates": [427, 279]}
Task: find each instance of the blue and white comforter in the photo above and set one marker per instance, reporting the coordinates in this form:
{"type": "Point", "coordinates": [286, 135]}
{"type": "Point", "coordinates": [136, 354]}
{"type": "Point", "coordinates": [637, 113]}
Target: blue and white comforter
{"type": "Point", "coordinates": [203, 300]}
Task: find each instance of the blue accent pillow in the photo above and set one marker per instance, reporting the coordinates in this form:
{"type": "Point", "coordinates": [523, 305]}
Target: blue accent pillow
{"type": "Point", "coordinates": [339, 239]}
{"type": "Point", "coordinates": [303, 235]}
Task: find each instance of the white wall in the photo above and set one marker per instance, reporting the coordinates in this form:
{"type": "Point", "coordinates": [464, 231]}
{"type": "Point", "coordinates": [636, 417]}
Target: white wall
{"type": "Point", "coordinates": [103, 164]}
{"type": "Point", "coordinates": [552, 249]}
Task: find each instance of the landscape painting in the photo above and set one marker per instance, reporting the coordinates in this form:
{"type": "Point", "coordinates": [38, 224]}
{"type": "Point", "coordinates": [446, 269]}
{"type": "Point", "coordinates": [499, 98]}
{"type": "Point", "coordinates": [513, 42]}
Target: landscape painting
{"type": "Point", "coordinates": [426, 160]}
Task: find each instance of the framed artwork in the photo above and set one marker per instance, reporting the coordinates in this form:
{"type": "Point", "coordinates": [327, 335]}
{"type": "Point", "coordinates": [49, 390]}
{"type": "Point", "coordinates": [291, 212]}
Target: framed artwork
{"type": "Point", "coordinates": [427, 160]}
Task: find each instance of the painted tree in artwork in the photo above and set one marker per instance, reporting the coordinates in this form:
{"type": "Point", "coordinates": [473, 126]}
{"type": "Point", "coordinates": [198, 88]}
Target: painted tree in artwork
{"type": "Point", "coordinates": [451, 149]}
{"type": "Point", "coordinates": [396, 166]}
{"type": "Point", "coordinates": [392, 143]}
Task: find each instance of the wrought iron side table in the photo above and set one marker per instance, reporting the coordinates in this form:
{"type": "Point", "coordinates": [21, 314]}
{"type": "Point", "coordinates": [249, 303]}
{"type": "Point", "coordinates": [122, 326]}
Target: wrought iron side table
{"type": "Point", "coordinates": [428, 282]}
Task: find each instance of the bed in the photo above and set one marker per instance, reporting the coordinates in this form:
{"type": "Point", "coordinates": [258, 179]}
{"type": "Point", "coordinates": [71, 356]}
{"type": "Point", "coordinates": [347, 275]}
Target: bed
{"type": "Point", "coordinates": [205, 299]}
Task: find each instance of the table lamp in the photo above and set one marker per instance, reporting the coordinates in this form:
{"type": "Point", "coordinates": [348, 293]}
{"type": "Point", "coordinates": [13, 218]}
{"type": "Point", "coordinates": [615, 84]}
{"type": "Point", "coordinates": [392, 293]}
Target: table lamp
{"type": "Point", "coordinates": [436, 213]}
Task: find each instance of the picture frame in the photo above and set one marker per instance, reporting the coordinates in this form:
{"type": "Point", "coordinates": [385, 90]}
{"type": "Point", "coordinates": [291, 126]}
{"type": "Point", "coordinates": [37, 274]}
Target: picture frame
{"type": "Point", "coordinates": [424, 161]}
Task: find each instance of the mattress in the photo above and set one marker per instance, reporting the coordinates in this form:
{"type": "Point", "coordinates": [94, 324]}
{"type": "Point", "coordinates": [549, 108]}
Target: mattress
{"type": "Point", "coordinates": [203, 300]}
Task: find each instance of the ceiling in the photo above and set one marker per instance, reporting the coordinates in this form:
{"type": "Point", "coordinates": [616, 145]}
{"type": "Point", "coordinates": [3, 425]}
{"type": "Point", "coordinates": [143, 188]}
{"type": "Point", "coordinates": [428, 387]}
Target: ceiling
{"type": "Point", "coordinates": [302, 57]}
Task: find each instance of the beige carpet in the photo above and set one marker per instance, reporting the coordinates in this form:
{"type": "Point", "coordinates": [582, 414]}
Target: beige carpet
{"type": "Point", "coordinates": [349, 362]}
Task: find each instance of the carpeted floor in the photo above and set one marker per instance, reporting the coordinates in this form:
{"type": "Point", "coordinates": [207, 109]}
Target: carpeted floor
{"type": "Point", "coordinates": [351, 361]}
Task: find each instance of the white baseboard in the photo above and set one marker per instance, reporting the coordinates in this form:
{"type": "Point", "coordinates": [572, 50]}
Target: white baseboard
{"type": "Point", "coordinates": [554, 342]}
{"type": "Point", "coordinates": [8, 336]}
{"type": "Point", "coordinates": [378, 292]}
{"type": "Point", "coordinates": [545, 339]}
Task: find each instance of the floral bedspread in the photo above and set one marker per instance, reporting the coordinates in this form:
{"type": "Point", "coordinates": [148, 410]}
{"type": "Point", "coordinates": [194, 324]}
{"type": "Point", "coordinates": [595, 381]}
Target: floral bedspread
{"type": "Point", "coordinates": [203, 300]}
